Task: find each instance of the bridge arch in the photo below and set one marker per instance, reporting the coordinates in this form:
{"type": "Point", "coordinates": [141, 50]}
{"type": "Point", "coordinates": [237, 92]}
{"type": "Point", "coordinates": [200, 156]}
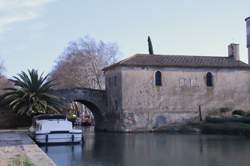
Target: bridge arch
{"type": "Point", "coordinates": [98, 115]}
{"type": "Point", "coordinates": [95, 100]}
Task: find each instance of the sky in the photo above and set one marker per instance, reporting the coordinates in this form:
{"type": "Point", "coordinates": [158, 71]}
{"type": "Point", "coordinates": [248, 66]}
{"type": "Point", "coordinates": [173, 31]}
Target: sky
{"type": "Point", "coordinates": [34, 33]}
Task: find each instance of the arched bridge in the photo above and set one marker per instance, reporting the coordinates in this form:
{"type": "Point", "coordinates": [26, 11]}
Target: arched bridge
{"type": "Point", "coordinates": [95, 100]}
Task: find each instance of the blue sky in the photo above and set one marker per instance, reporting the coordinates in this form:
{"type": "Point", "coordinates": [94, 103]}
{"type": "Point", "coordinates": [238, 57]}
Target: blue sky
{"type": "Point", "coordinates": [33, 33]}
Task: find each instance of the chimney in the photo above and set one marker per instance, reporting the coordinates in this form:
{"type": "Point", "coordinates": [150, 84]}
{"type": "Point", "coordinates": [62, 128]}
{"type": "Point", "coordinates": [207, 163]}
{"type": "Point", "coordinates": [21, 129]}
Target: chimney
{"type": "Point", "coordinates": [248, 37]}
{"type": "Point", "coordinates": [234, 51]}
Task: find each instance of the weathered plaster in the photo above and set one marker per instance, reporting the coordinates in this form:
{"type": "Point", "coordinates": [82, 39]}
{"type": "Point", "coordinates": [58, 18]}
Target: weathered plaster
{"type": "Point", "coordinates": [145, 106]}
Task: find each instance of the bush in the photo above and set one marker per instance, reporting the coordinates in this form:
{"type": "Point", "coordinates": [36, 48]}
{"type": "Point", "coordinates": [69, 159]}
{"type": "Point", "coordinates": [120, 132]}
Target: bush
{"type": "Point", "coordinates": [10, 120]}
{"type": "Point", "coordinates": [212, 119]}
{"type": "Point", "coordinates": [239, 112]}
{"type": "Point", "coordinates": [240, 119]}
{"type": "Point", "coordinates": [247, 114]}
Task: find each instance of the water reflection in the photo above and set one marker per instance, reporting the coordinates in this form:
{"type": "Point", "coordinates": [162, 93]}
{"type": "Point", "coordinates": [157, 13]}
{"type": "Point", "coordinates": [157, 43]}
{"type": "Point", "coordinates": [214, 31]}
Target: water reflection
{"type": "Point", "coordinates": [153, 149]}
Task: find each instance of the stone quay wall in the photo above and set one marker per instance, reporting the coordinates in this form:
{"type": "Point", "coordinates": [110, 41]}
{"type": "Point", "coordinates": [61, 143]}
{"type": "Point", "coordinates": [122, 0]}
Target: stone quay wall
{"type": "Point", "coordinates": [16, 144]}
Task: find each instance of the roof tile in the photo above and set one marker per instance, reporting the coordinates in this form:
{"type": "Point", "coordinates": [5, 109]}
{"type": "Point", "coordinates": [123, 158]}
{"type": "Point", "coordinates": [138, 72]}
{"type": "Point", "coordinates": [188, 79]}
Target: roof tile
{"type": "Point", "coordinates": [140, 60]}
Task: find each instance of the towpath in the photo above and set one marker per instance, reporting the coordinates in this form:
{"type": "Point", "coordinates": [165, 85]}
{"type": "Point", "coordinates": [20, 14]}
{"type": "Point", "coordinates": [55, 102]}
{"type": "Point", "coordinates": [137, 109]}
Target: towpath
{"type": "Point", "coordinates": [14, 144]}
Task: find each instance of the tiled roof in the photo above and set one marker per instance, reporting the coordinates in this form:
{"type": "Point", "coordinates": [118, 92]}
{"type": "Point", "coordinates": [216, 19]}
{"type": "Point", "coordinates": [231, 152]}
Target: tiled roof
{"type": "Point", "coordinates": [141, 60]}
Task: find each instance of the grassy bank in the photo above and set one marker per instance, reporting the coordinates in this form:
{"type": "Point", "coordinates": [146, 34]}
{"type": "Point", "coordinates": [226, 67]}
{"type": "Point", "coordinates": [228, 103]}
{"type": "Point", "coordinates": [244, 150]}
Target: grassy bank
{"type": "Point", "coordinates": [225, 128]}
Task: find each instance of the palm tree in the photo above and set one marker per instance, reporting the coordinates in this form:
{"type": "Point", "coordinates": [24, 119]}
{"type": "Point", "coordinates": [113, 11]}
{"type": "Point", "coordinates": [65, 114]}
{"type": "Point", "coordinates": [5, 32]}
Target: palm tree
{"type": "Point", "coordinates": [32, 94]}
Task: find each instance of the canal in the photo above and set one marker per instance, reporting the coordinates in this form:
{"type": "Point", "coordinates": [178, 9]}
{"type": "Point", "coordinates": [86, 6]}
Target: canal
{"type": "Point", "coordinates": [153, 149]}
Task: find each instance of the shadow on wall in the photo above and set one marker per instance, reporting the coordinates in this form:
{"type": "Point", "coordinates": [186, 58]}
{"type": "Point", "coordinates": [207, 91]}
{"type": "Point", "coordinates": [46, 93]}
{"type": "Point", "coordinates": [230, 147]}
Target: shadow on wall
{"type": "Point", "coordinates": [11, 120]}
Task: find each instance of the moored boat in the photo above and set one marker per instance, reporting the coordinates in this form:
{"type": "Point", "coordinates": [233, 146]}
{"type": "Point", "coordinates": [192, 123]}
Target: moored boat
{"type": "Point", "coordinates": [47, 129]}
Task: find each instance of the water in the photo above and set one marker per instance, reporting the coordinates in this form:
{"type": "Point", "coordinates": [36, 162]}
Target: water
{"type": "Point", "coordinates": [154, 149]}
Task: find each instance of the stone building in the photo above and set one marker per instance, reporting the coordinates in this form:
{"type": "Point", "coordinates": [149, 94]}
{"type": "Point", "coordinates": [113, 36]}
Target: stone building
{"type": "Point", "coordinates": [150, 92]}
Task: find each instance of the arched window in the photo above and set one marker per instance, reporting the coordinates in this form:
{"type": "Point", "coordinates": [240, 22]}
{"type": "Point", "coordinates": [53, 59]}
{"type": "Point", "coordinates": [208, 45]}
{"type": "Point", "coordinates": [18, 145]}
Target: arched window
{"type": "Point", "coordinates": [158, 78]}
{"type": "Point", "coordinates": [209, 78]}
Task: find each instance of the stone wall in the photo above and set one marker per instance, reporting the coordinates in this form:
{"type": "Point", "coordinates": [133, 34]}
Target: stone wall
{"type": "Point", "coordinates": [114, 89]}
{"type": "Point", "coordinates": [146, 107]}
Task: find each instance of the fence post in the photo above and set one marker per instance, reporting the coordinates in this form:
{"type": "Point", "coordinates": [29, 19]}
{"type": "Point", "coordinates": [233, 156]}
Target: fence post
{"type": "Point", "coordinates": [200, 113]}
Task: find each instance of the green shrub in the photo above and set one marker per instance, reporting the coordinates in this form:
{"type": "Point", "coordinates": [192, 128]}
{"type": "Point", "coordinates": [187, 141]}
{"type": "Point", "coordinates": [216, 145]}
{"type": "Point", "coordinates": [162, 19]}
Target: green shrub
{"type": "Point", "coordinates": [239, 112]}
{"type": "Point", "coordinates": [247, 114]}
{"type": "Point", "coordinates": [21, 161]}
{"type": "Point", "coordinates": [240, 119]}
{"type": "Point", "coordinates": [212, 119]}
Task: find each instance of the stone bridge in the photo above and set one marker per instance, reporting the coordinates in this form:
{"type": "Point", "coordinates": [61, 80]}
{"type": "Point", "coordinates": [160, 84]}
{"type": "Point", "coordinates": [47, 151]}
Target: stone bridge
{"type": "Point", "coordinates": [95, 100]}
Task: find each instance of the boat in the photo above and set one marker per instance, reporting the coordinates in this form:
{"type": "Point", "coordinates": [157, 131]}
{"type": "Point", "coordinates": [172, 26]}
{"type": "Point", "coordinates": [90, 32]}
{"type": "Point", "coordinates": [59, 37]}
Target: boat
{"type": "Point", "coordinates": [53, 129]}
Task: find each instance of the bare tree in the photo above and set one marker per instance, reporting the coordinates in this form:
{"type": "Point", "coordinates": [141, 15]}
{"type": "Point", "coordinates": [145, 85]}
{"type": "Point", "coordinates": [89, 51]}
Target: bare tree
{"type": "Point", "coordinates": [4, 82]}
{"type": "Point", "coordinates": [81, 64]}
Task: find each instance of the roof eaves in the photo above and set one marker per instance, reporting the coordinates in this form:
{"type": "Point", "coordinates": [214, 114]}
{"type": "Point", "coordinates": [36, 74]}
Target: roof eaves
{"type": "Point", "coordinates": [188, 66]}
{"type": "Point", "coordinates": [118, 63]}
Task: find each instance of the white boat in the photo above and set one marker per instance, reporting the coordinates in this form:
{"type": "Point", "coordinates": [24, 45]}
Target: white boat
{"type": "Point", "coordinates": [47, 129]}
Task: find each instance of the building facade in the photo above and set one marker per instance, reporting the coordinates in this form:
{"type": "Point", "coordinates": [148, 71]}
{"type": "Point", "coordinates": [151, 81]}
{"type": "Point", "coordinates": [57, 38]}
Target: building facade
{"type": "Point", "coordinates": [152, 92]}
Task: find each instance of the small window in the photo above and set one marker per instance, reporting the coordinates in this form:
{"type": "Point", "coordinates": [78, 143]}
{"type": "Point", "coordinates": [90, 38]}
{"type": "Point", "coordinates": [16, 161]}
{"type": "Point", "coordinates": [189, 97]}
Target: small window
{"type": "Point", "coordinates": [158, 78]}
{"type": "Point", "coordinates": [209, 78]}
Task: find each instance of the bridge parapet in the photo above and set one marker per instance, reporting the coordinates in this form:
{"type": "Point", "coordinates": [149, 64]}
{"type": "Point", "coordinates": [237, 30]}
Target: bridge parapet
{"type": "Point", "coordinates": [78, 94]}
{"type": "Point", "coordinates": [89, 97]}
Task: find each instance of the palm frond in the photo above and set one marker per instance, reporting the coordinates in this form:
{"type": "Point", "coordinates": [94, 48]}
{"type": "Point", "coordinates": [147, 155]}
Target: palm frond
{"type": "Point", "coordinates": [32, 94]}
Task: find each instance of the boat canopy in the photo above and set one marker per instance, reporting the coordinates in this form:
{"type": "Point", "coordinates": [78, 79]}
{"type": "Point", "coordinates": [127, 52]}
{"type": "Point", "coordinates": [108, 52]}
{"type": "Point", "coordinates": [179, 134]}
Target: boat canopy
{"type": "Point", "coordinates": [49, 116]}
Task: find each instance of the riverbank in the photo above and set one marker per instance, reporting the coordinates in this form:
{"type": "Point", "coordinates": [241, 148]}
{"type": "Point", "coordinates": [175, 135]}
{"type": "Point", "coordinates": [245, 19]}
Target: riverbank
{"type": "Point", "coordinates": [17, 147]}
{"type": "Point", "coordinates": [226, 128]}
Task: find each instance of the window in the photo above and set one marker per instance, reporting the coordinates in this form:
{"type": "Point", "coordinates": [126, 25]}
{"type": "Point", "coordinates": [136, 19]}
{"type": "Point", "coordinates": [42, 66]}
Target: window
{"type": "Point", "coordinates": [158, 78]}
{"type": "Point", "coordinates": [209, 78]}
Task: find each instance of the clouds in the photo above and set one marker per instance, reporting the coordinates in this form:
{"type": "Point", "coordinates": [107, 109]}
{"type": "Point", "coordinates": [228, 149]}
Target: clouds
{"type": "Point", "coordinates": [14, 11]}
